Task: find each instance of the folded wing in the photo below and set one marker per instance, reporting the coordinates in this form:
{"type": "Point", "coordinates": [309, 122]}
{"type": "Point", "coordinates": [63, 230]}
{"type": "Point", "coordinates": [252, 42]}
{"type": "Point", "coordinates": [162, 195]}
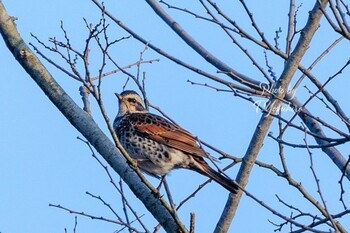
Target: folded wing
{"type": "Point", "coordinates": [163, 131]}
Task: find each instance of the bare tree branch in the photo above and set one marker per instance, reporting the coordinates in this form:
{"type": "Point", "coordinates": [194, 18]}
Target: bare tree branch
{"type": "Point", "coordinates": [83, 123]}
{"type": "Point", "coordinates": [274, 94]}
{"type": "Point", "coordinates": [266, 119]}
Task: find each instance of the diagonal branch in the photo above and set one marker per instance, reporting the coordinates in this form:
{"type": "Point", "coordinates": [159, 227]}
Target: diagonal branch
{"type": "Point", "coordinates": [266, 119]}
{"type": "Point", "coordinates": [84, 123]}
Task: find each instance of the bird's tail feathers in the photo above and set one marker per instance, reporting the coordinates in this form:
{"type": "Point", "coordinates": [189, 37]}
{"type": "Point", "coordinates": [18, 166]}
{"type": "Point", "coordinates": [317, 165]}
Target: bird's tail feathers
{"type": "Point", "coordinates": [204, 169]}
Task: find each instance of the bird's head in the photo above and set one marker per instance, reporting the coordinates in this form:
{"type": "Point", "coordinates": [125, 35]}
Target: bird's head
{"type": "Point", "coordinates": [130, 102]}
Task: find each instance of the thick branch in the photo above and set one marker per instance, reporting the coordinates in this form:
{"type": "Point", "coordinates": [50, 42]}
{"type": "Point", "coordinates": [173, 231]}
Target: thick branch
{"type": "Point", "coordinates": [83, 122]}
{"type": "Point", "coordinates": [266, 119]}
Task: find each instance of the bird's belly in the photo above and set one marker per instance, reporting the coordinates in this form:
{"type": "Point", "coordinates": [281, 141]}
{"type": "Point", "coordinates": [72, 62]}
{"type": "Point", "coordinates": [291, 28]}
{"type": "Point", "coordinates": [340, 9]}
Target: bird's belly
{"type": "Point", "coordinates": [152, 157]}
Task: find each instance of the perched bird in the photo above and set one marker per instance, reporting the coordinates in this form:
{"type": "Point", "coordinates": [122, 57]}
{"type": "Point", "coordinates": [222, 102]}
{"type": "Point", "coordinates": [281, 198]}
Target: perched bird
{"type": "Point", "coordinates": [158, 145]}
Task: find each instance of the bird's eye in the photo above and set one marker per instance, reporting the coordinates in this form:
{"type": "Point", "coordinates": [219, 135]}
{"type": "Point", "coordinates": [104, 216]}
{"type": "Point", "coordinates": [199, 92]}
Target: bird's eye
{"type": "Point", "coordinates": [132, 100]}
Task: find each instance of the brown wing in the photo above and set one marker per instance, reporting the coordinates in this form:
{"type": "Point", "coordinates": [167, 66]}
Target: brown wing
{"type": "Point", "coordinates": [163, 131]}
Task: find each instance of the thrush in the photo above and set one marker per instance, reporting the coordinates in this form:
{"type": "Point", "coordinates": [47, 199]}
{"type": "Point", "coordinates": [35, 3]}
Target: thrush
{"type": "Point", "coordinates": [159, 146]}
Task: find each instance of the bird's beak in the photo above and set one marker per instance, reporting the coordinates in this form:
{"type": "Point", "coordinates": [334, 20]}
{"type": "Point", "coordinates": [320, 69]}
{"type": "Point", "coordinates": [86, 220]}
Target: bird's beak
{"type": "Point", "coordinates": [118, 96]}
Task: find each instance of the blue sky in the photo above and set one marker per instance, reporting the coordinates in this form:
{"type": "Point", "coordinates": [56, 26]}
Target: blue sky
{"type": "Point", "coordinates": [42, 162]}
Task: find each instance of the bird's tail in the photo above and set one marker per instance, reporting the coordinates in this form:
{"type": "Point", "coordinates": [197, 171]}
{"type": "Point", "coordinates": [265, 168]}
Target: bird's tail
{"type": "Point", "coordinates": [203, 168]}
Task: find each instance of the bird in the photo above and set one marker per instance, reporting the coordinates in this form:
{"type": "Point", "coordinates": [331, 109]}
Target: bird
{"type": "Point", "coordinates": [158, 145]}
